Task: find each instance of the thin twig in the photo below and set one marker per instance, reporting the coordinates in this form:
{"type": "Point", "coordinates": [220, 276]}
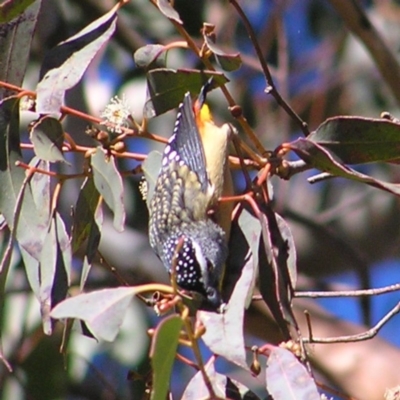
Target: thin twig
{"type": "Point", "coordinates": [348, 293]}
{"type": "Point", "coordinates": [369, 334]}
{"type": "Point", "coordinates": [270, 89]}
{"type": "Point", "coordinates": [240, 118]}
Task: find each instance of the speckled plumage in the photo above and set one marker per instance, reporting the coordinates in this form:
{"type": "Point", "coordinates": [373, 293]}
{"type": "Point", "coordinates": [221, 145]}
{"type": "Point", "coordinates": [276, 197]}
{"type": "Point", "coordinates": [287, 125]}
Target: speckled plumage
{"type": "Point", "coordinates": [179, 209]}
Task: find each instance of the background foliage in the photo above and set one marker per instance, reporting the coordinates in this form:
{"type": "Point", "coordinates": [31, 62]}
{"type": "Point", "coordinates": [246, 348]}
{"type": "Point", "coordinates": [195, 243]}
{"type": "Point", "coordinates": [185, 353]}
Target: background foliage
{"type": "Point", "coordinates": [327, 59]}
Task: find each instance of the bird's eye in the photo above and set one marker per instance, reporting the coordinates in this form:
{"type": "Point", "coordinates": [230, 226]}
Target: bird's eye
{"type": "Point", "coordinates": [213, 296]}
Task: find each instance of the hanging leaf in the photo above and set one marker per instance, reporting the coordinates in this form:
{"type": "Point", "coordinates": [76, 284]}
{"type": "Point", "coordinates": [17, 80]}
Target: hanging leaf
{"type": "Point", "coordinates": [227, 61]}
{"type": "Point", "coordinates": [167, 87]}
{"type": "Point", "coordinates": [224, 387]}
{"type": "Point", "coordinates": [54, 269]}
{"type": "Point", "coordinates": [108, 182]}
{"type": "Point", "coordinates": [197, 389]}
{"type": "Point", "coordinates": [151, 168]}
{"type": "Point", "coordinates": [47, 268]}
{"type": "Point", "coordinates": [320, 158]}
{"type": "Point", "coordinates": [165, 7]}
{"type": "Point", "coordinates": [162, 354]}
{"type": "Point", "coordinates": [64, 248]}
{"type": "Point", "coordinates": [103, 311]}
{"type": "Point", "coordinates": [32, 221]}
{"type": "Point", "coordinates": [47, 137]}
{"type": "Point", "coordinates": [31, 266]}
{"type": "Point", "coordinates": [224, 331]}
{"type": "Point", "coordinates": [150, 56]}
{"type": "Point", "coordinates": [287, 378]}
{"type": "Point", "coordinates": [358, 140]}
{"type": "Point", "coordinates": [64, 65]}
{"type": "Point", "coordinates": [40, 190]}
{"type": "Point", "coordinates": [277, 259]}
{"type": "Point", "coordinates": [18, 21]}
{"type": "Point", "coordinates": [84, 223]}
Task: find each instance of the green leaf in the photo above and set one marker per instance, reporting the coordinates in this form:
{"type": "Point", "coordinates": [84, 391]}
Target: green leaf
{"type": "Point", "coordinates": [18, 22]}
{"type": "Point", "coordinates": [63, 66]}
{"type": "Point", "coordinates": [84, 223]}
{"type": "Point", "coordinates": [108, 182]}
{"type": "Point", "coordinates": [150, 56]}
{"type": "Point", "coordinates": [13, 8]}
{"type": "Point", "coordinates": [162, 354]}
{"type": "Point", "coordinates": [358, 140]}
{"type": "Point", "coordinates": [287, 378]}
{"type": "Point", "coordinates": [47, 137]}
{"type": "Point", "coordinates": [151, 168]}
{"type": "Point", "coordinates": [320, 158]}
{"type": "Point", "coordinates": [227, 61]}
{"type": "Point", "coordinates": [45, 360]}
{"type": "Point", "coordinates": [103, 311]}
{"type": "Point", "coordinates": [168, 86]}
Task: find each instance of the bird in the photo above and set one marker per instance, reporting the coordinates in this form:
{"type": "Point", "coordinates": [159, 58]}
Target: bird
{"type": "Point", "coordinates": [187, 189]}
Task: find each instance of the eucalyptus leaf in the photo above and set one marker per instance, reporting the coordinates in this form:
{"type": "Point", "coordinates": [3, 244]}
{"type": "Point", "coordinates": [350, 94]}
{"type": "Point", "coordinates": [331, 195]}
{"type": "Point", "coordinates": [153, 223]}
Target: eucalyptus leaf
{"type": "Point", "coordinates": [64, 66]}
{"type": "Point", "coordinates": [47, 137]}
{"type": "Point", "coordinates": [167, 87]}
{"type": "Point", "coordinates": [108, 182]}
{"type": "Point", "coordinates": [151, 168]}
{"type": "Point", "coordinates": [166, 8]}
{"type": "Point", "coordinates": [103, 311]}
{"type": "Point", "coordinates": [163, 353]}
{"type": "Point", "coordinates": [358, 140]}
{"type": "Point", "coordinates": [287, 378]}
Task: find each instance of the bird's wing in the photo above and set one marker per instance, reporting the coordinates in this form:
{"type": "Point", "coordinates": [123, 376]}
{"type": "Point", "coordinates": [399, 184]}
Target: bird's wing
{"type": "Point", "coordinates": [186, 143]}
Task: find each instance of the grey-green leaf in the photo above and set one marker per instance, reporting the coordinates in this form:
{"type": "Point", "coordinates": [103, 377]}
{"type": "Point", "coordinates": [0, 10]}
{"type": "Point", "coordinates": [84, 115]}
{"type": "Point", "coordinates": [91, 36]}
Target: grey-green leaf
{"type": "Point", "coordinates": [18, 22]}
{"type": "Point", "coordinates": [165, 7]}
{"type": "Point", "coordinates": [358, 140]}
{"type": "Point", "coordinates": [32, 221]}
{"type": "Point", "coordinates": [151, 168]}
{"type": "Point", "coordinates": [167, 87]}
{"type": "Point", "coordinates": [103, 311]}
{"type": "Point", "coordinates": [150, 56]}
{"type": "Point", "coordinates": [84, 221]}
{"type": "Point", "coordinates": [108, 182]}
{"type": "Point", "coordinates": [287, 378]}
{"type": "Point", "coordinates": [47, 137]}
{"type": "Point", "coordinates": [227, 61]}
{"type": "Point", "coordinates": [64, 65]}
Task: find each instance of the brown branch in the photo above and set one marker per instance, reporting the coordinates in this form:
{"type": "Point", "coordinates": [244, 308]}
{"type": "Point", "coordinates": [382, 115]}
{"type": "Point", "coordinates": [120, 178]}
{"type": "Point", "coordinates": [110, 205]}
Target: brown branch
{"type": "Point", "coordinates": [358, 337]}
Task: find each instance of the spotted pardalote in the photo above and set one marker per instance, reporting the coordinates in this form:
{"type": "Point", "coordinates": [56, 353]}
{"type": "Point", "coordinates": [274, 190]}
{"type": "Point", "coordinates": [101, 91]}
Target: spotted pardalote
{"type": "Point", "coordinates": [194, 174]}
